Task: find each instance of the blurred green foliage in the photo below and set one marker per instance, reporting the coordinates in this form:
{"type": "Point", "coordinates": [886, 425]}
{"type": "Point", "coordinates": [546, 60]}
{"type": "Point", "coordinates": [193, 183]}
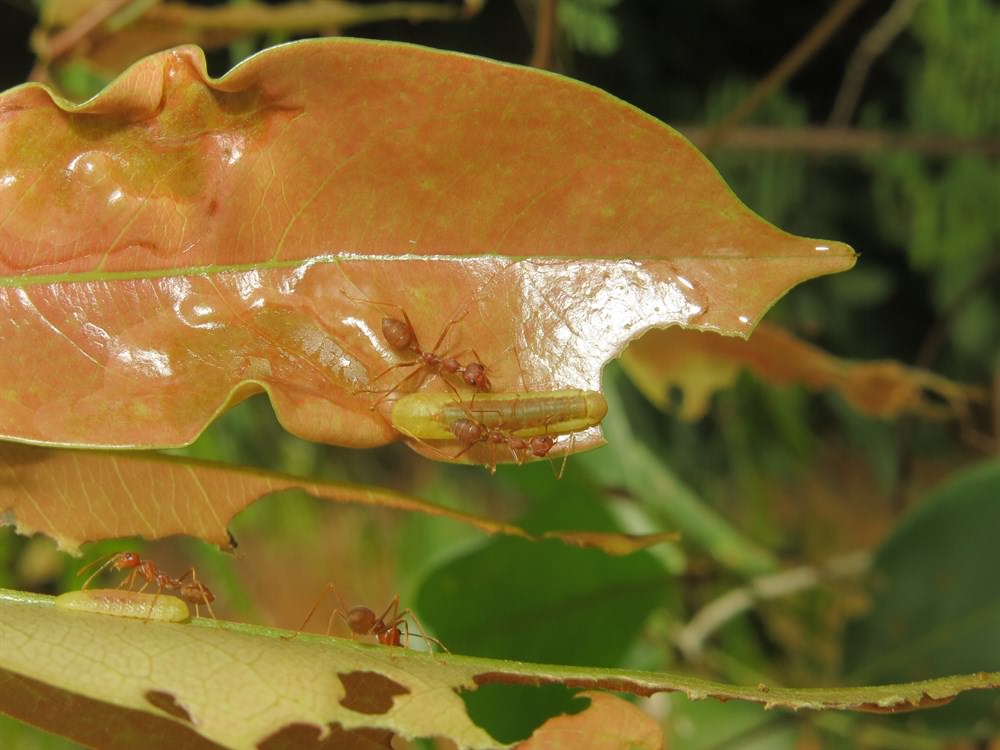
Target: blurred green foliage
{"type": "Point", "coordinates": [590, 26]}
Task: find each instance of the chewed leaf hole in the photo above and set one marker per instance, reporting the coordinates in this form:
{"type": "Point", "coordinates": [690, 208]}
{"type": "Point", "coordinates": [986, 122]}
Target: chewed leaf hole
{"type": "Point", "coordinates": [369, 692]}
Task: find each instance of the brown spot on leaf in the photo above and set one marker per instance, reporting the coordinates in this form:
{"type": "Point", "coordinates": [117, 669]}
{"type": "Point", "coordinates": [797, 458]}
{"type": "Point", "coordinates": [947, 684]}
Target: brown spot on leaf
{"type": "Point", "coordinates": [369, 692]}
{"type": "Point", "coordinates": [617, 684]}
{"type": "Point", "coordinates": [925, 701]}
{"type": "Point", "coordinates": [167, 703]}
{"type": "Point", "coordinates": [307, 737]}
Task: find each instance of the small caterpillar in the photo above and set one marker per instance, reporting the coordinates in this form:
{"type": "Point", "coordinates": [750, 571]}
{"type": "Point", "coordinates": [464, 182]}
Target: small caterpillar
{"type": "Point", "coordinates": [431, 416]}
{"type": "Point", "coordinates": [121, 603]}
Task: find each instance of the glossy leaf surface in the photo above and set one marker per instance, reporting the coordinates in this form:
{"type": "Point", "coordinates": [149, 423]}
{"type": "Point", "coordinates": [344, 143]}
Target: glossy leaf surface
{"type": "Point", "coordinates": [177, 243]}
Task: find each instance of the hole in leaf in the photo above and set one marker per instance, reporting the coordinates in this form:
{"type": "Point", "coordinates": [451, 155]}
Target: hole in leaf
{"type": "Point", "coordinates": [369, 692]}
{"type": "Point", "coordinates": [307, 737]}
{"type": "Point", "coordinates": [511, 713]}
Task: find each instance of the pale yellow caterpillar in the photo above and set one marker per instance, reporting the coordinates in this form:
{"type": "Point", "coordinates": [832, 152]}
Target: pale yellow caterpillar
{"type": "Point", "coordinates": [431, 416]}
{"type": "Point", "coordinates": [121, 603]}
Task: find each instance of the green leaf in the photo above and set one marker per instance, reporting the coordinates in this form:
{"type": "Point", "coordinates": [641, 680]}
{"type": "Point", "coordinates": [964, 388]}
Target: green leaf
{"type": "Point", "coordinates": [936, 597]}
{"type": "Point", "coordinates": [551, 602]}
{"type": "Point", "coordinates": [237, 685]}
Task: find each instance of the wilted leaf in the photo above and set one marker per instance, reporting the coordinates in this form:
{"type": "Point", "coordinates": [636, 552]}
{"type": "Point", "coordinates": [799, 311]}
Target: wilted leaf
{"type": "Point", "coordinates": [702, 364]}
{"type": "Point", "coordinates": [609, 723]}
{"type": "Point", "coordinates": [177, 243]}
{"type": "Point", "coordinates": [238, 685]}
{"type": "Point", "coordinates": [84, 496]}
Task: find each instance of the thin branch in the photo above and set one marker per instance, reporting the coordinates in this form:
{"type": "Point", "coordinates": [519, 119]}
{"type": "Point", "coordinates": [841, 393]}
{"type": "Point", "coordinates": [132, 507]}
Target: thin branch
{"type": "Point", "coordinates": [873, 44]}
{"type": "Point", "coordinates": [216, 26]}
{"type": "Point", "coordinates": [690, 639]}
{"type": "Point", "coordinates": [810, 44]}
{"type": "Point", "coordinates": [301, 16]}
{"type": "Point", "coordinates": [545, 34]}
{"type": "Point", "coordinates": [825, 140]}
{"type": "Point", "coordinates": [62, 42]}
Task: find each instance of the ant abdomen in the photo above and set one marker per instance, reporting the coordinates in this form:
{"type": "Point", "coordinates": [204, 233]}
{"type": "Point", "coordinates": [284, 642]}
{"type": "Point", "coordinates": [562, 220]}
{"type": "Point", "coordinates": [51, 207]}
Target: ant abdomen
{"type": "Point", "coordinates": [398, 333]}
{"type": "Point", "coordinates": [467, 431]}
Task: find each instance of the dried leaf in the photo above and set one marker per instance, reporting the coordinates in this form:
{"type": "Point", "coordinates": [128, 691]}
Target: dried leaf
{"type": "Point", "coordinates": [701, 364]}
{"type": "Point", "coordinates": [609, 723]}
{"type": "Point", "coordinates": [177, 243]}
{"type": "Point", "coordinates": [84, 496]}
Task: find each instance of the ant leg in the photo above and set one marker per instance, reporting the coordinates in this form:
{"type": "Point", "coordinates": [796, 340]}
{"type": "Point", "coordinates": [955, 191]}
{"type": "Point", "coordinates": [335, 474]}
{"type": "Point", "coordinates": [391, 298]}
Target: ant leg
{"type": "Point", "coordinates": [457, 319]}
{"type": "Point", "coordinates": [103, 562]}
{"type": "Point", "coordinates": [322, 595]}
{"type": "Point", "coordinates": [562, 467]}
{"type": "Point", "coordinates": [394, 608]}
{"type": "Point", "coordinates": [401, 620]}
{"type": "Point", "coordinates": [422, 367]}
{"type": "Point", "coordinates": [198, 586]}
{"type": "Point", "coordinates": [208, 602]}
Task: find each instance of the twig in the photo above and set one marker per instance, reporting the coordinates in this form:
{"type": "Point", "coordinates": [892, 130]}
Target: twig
{"type": "Point", "coordinates": [825, 140]}
{"type": "Point", "coordinates": [800, 54]}
{"type": "Point", "coordinates": [216, 26]}
{"type": "Point", "coordinates": [64, 41]}
{"type": "Point", "coordinates": [301, 16]}
{"type": "Point", "coordinates": [690, 639]}
{"type": "Point", "coordinates": [545, 34]}
{"type": "Point", "coordinates": [873, 44]}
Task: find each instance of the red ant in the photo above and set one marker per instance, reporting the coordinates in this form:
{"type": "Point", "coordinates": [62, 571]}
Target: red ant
{"type": "Point", "coordinates": [470, 432]}
{"type": "Point", "coordinates": [390, 628]}
{"type": "Point", "coordinates": [193, 591]}
{"type": "Point", "coordinates": [401, 336]}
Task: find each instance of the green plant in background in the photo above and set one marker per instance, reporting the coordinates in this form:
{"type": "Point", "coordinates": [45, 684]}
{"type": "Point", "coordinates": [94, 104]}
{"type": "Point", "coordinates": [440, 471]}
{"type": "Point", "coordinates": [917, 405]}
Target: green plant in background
{"type": "Point", "coordinates": [590, 26]}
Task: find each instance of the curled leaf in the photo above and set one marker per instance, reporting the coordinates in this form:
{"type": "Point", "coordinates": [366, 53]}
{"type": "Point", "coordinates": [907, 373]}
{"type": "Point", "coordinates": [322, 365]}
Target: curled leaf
{"type": "Point", "coordinates": [701, 364]}
{"type": "Point", "coordinates": [84, 496]}
{"type": "Point", "coordinates": [177, 243]}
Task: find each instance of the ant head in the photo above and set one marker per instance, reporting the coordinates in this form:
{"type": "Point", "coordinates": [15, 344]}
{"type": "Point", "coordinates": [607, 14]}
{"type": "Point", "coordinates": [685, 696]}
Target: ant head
{"type": "Point", "coordinates": [398, 333]}
{"type": "Point", "coordinates": [124, 560]}
{"type": "Point", "coordinates": [475, 375]}
{"type": "Point", "coordinates": [540, 445]}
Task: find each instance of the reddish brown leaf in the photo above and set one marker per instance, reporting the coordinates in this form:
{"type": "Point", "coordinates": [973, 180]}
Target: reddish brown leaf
{"type": "Point", "coordinates": [177, 243]}
{"type": "Point", "coordinates": [701, 364]}
{"type": "Point", "coordinates": [84, 496]}
{"type": "Point", "coordinates": [609, 723]}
